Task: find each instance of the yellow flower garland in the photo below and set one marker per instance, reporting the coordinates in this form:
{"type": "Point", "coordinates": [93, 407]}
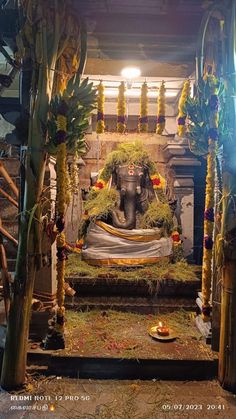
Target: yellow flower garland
{"type": "Point", "coordinates": [100, 112]}
{"type": "Point", "coordinates": [161, 109]}
{"type": "Point", "coordinates": [209, 201]}
{"type": "Point", "coordinates": [181, 115]}
{"type": "Point", "coordinates": [67, 187]}
{"type": "Point", "coordinates": [208, 225]}
{"type": "Point", "coordinates": [143, 120]}
{"type": "Point", "coordinates": [121, 109]}
{"type": "Point", "coordinates": [61, 178]}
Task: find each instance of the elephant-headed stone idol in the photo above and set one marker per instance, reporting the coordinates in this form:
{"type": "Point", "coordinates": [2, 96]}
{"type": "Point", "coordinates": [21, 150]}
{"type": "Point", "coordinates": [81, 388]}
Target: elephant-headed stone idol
{"type": "Point", "coordinates": [135, 189]}
{"type": "Point", "coordinates": [128, 218]}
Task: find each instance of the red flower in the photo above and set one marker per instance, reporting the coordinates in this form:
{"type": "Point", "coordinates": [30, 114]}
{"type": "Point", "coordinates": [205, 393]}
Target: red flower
{"type": "Point", "coordinates": [99, 185]}
{"type": "Point", "coordinates": [156, 181]}
{"type": "Point", "coordinates": [175, 237]}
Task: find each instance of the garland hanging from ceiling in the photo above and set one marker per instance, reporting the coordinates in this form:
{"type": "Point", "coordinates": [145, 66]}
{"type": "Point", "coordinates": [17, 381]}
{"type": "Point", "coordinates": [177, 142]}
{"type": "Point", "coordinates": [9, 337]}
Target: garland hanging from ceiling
{"type": "Point", "coordinates": [161, 120]}
{"type": "Point", "coordinates": [121, 109]}
{"type": "Point", "coordinates": [182, 102]}
{"type": "Point", "coordinates": [143, 120]}
{"type": "Point", "coordinates": [100, 111]}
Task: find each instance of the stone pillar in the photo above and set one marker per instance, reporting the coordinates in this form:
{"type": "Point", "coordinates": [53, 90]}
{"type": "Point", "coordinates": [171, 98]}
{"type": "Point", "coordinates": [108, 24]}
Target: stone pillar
{"type": "Point", "coordinates": [183, 163]}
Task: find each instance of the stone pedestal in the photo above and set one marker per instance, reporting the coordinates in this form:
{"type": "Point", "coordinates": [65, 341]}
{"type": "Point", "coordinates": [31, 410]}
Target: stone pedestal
{"type": "Point", "coordinates": [183, 164]}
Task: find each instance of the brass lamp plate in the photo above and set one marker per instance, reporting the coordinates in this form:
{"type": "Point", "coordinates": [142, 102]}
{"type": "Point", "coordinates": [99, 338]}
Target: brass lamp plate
{"type": "Point", "coordinates": [153, 333]}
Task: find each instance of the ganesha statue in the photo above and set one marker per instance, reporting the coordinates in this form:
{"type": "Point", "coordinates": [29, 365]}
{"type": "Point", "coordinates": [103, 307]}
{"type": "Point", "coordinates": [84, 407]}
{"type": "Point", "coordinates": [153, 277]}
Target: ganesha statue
{"type": "Point", "coordinates": [128, 218]}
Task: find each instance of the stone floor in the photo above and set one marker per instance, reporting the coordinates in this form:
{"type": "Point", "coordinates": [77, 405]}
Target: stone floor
{"type": "Point", "coordinates": [57, 397]}
{"type": "Point", "coordinates": [116, 334]}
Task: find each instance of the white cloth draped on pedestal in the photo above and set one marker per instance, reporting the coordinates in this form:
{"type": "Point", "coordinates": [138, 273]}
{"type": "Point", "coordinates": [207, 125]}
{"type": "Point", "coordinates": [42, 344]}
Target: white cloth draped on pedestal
{"type": "Point", "coordinates": [107, 245]}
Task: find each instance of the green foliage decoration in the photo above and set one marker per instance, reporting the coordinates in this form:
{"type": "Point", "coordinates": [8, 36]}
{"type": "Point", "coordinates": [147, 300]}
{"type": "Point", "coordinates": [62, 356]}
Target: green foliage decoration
{"type": "Point", "coordinates": [79, 98]}
{"type": "Point", "coordinates": [198, 113]}
{"type": "Point", "coordinates": [127, 153]}
{"type": "Point", "coordinates": [158, 214]}
{"type": "Point", "coordinates": [100, 203]}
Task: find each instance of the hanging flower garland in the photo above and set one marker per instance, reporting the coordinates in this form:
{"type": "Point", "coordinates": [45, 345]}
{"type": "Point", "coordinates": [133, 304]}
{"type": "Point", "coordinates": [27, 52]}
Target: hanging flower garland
{"type": "Point", "coordinates": [69, 113]}
{"type": "Point", "coordinates": [74, 175]}
{"type": "Point", "coordinates": [121, 109]}
{"type": "Point", "coordinates": [100, 113]}
{"type": "Point", "coordinates": [213, 136]}
{"type": "Point", "coordinates": [182, 102]}
{"type": "Point", "coordinates": [143, 120]}
{"type": "Point", "coordinates": [161, 120]}
{"type": "Point", "coordinates": [62, 199]}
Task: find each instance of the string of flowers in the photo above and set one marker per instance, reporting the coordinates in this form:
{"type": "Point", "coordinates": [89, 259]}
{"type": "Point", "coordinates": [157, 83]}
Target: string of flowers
{"type": "Point", "coordinates": [100, 112]}
{"type": "Point", "coordinates": [121, 108]}
{"type": "Point", "coordinates": [182, 102]}
{"type": "Point", "coordinates": [161, 120]}
{"type": "Point", "coordinates": [62, 197]}
{"type": "Point", "coordinates": [143, 120]}
{"type": "Point", "coordinates": [213, 136]}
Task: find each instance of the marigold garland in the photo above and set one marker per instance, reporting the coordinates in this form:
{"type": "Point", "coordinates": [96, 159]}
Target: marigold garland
{"type": "Point", "coordinates": [213, 104]}
{"type": "Point", "coordinates": [68, 186]}
{"type": "Point", "coordinates": [161, 120]}
{"type": "Point", "coordinates": [100, 112]}
{"type": "Point", "coordinates": [62, 200]}
{"type": "Point", "coordinates": [182, 115]}
{"type": "Point", "coordinates": [121, 109]}
{"type": "Point", "coordinates": [74, 175]}
{"type": "Point", "coordinates": [143, 120]}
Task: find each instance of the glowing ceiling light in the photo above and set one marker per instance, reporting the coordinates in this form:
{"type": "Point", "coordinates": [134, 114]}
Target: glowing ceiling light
{"type": "Point", "coordinates": [131, 72]}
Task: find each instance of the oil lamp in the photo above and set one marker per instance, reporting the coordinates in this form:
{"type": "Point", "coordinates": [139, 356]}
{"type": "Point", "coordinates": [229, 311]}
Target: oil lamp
{"type": "Point", "coordinates": [162, 330]}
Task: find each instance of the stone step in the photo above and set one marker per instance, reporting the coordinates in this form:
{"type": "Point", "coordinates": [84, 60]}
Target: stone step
{"type": "Point", "coordinates": [143, 305]}
{"type": "Point", "coordinates": [129, 287]}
